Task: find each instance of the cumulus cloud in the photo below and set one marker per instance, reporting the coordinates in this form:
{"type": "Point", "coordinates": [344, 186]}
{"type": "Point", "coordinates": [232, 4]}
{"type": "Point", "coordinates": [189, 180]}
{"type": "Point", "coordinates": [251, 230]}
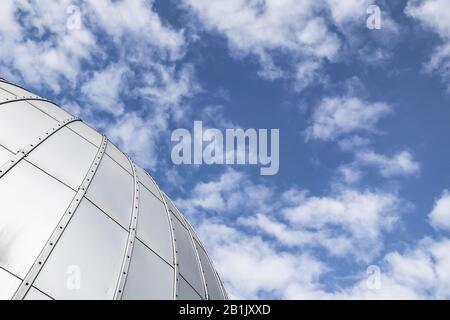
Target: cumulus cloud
{"type": "Point", "coordinates": [104, 88]}
{"type": "Point", "coordinates": [346, 222]}
{"type": "Point", "coordinates": [167, 86]}
{"type": "Point", "coordinates": [433, 15]}
{"type": "Point", "coordinates": [38, 47]}
{"type": "Point", "coordinates": [347, 11]}
{"type": "Point", "coordinates": [440, 214]}
{"type": "Point", "coordinates": [138, 136]}
{"type": "Point", "coordinates": [353, 143]}
{"type": "Point", "coordinates": [424, 269]}
{"type": "Point", "coordinates": [258, 26]}
{"type": "Point", "coordinates": [252, 268]}
{"type": "Point", "coordinates": [132, 18]}
{"type": "Point", "coordinates": [278, 262]}
{"type": "Point", "coordinates": [335, 117]}
{"type": "Point", "coordinates": [297, 29]}
{"type": "Point", "coordinates": [260, 253]}
{"type": "Point", "coordinates": [350, 173]}
{"type": "Point", "coordinates": [401, 164]}
{"type": "Point", "coordinates": [221, 195]}
{"type": "Point", "coordinates": [355, 220]}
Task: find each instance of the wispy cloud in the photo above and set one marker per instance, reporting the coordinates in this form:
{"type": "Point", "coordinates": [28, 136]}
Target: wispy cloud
{"type": "Point", "coordinates": [335, 117]}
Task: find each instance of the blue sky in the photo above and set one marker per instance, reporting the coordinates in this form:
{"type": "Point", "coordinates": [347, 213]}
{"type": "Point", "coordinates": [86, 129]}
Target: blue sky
{"type": "Point", "coordinates": [363, 118]}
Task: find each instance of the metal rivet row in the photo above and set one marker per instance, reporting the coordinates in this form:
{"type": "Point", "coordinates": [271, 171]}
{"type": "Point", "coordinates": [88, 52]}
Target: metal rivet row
{"type": "Point", "coordinates": [172, 235]}
{"type": "Point", "coordinates": [131, 238]}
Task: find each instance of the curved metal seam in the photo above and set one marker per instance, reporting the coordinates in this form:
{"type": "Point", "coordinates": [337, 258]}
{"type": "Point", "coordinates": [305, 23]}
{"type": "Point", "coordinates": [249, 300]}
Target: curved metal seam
{"type": "Point", "coordinates": [22, 153]}
{"type": "Point", "coordinates": [196, 238]}
{"type": "Point", "coordinates": [221, 286]}
{"type": "Point", "coordinates": [216, 274]}
{"type": "Point", "coordinates": [202, 273]}
{"type": "Point", "coordinates": [172, 235]}
{"type": "Point", "coordinates": [15, 85]}
{"type": "Point", "coordinates": [131, 237]}
{"type": "Point", "coordinates": [62, 225]}
{"type": "Point", "coordinates": [31, 98]}
{"type": "Point", "coordinates": [28, 99]}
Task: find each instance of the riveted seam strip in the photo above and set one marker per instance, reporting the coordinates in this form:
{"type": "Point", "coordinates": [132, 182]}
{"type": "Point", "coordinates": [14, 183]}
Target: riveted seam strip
{"type": "Point", "coordinates": [28, 99]}
{"type": "Point", "coordinates": [131, 238]}
{"type": "Point", "coordinates": [202, 273]}
{"type": "Point", "coordinates": [172, 236]}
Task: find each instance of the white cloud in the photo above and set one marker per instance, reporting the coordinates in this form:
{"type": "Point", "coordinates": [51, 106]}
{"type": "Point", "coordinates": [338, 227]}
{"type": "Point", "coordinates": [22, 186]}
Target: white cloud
{"type": "Point", "coordinates": [401, 164]}
{"type": "Point", "coordinates": [252, 268]}
{"type": "Point", "coordinates": [353, 143]}
{"type": "Point", "coordinates": [221, 195]}
{"type": "Point", "coordinates": [262, 28]}
{"type": "Point", "coordinates": [350, 173]}
{"type": "Point", "coordinates": [308, 72]}
{"type": "Point", "coordinates": [358, 218]}
{"type": "Point", "coordinates": [289, 251]}
{"type": "Point", "coordinates": [339, 116]}
{"type": "Point", "coordinates": [344, 222]}
{"type": "Point", "coordinates": [136, 19]}
{"type": "Point", "coordinates": [440, 214]}
{"type": "Point", "coordinates": [104, 88]}
{"type": "Point", "coordinates": [348, 11]}
{"type": "Point", "coordinates": [138, 136]}
{"type": "Point", "coordinates": [292, 236]}
{"type": "Point", "coordinates": [256, 26]}
{"type": "Point", "coordinates": [425, 269]}
{"type": "Point", "coordinates": [166, 86]}
{"type": "Point", "coordinates": [421, 272]}
{"type": "Point", "coordinates": [306, 33]}
{"type": "Point", "coordinates": [433, 14]}
{"type": "Point", "coordinates": [39, 48]}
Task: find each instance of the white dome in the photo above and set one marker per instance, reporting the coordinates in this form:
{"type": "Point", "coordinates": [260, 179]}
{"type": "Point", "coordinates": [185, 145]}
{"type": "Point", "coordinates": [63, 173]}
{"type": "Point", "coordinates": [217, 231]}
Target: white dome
{"type": "Point", "coordinates": [79, 220]}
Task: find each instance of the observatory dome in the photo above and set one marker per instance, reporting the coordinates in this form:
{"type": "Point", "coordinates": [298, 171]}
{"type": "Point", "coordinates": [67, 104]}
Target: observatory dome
{"type": "Point", "coordinates": [80, 220]}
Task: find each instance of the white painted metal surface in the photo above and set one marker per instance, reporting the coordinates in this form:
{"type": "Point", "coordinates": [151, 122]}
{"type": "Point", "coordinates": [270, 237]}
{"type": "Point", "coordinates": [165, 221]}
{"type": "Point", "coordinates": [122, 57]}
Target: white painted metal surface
{"type": "Point", "coordinates": [79, 220]}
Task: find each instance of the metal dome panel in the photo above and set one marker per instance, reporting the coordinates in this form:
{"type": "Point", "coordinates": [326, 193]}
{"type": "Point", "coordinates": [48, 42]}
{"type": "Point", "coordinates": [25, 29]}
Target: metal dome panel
{"type": "Point", "coordinates": [79, 220]}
